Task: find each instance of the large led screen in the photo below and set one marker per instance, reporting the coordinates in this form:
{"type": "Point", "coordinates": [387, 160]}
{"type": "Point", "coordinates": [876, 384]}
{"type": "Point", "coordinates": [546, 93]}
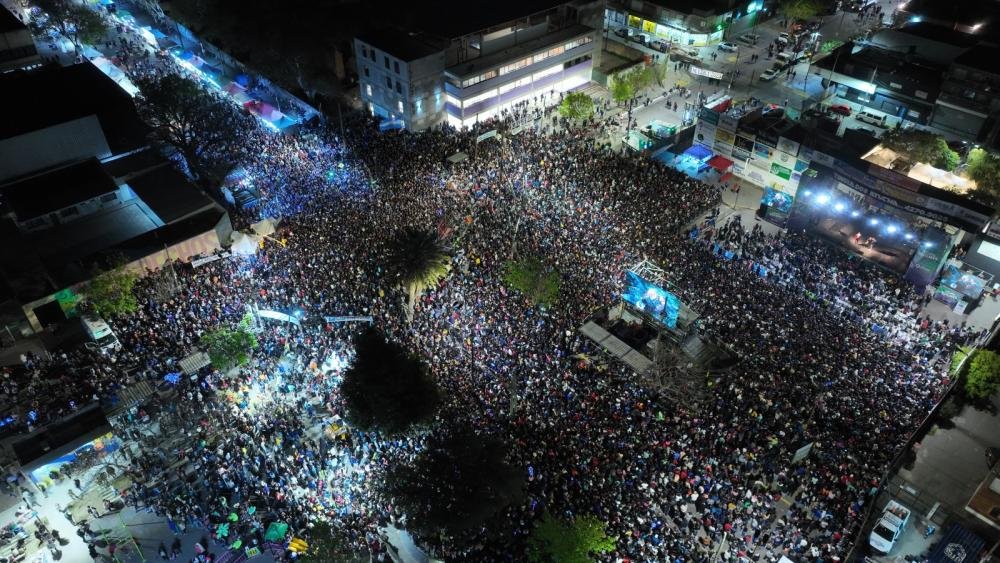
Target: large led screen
{"type": "Point", "coordinates": [651, 299]}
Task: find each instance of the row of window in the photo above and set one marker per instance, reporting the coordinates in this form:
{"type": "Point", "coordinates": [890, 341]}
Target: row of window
{"type": "Point", "coordinates": [527, 61]}
{"type": "Point", "coordinates": [367, 53]}
{"type": "Point", "coordinates": [370, 92]}
{"type": "Point", "coordinates": [524, 81]}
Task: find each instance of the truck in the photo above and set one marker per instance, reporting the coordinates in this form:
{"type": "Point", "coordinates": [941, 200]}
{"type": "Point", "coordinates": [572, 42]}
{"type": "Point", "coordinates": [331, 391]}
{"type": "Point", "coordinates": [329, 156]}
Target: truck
{"type": "Point", "coordinates": [99, 333]}
{"type": "Point", "coordinates": [889, 527]}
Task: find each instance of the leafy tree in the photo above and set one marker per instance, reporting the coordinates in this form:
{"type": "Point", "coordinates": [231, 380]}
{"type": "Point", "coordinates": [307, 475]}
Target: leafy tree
{"type": "Point", "coordinates": [230, 347]}
{"type": "Point", "coordinates": [576, 105]}
{"type": "Point", "coordinates": [326, 543]}
{"type": "Point", "coordinates": [983, 377]}
{"type": "Point", "coordinates": [984, 168]}
{"type": "Point", "coordinates": [75, 21]}
{"type": "Point", "coordinates": [110, 293]}
{"type": "Point", "coordinates": [798, 10]}
{"type": "Point", "coordinates": [203, 127]}
{"type": "Point", "coordinates": [419, 260]}
{"type": "Point", "coordinates": [921, 146]}
{"type": "Point", "coordinates": [456, 485]}
{"type": "Point", "coordinates": [387, 389]}
{"type": "Point", "coordinates": [625, 88]}
{"type": "Point", "coordinates": [575, 541]}
{"type": "Point", "coordinates": [532, 278]}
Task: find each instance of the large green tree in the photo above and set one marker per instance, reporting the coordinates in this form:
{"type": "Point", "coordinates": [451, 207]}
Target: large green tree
{"type": "Point", "coordinates": [626, 87]}
{"type": "Point", "coordinates": [984, 168]}
{"type": "Point", "coordinates": [576, 106]}
{"type": "Point", "coordinates": [387, 389]}
{"type": "Point", "coordinates": [74, 20]}
{"type": "Point", "coordinates": [983, 375]}
{"type": "Point", "coordinates": [793, 10]}
{"type": "Point", "coordinates": [456, 486]}
{"type": "Point", "coordinates": [531, 277]}
{"type": "Point", "coordinates": [203, 127]}
{"type": "Point", "coordinates": [921, 146]}
{"type": "Point", "coordinates": [110, 293]}
{"type": "Point", "coordinates": [419, 259]}
{"type": "Point", "coordinates": [230, 347]}
{"type": "Point", "coordinates": [576, 541]}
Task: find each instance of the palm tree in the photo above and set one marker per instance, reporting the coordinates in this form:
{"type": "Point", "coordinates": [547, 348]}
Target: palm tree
{"type": "Point", "coordinates": [419, 259]}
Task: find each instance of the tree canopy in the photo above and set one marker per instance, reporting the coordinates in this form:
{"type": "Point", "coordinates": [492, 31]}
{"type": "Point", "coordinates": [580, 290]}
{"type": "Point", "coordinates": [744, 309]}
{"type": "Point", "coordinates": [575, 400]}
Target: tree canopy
{"type": "Point", "coordinates": [419, 259]}
{"type": "Point", "coordinates": [984, 168]}
{"type": "Point", "coordinates": [799, 9]}
{"type": "Point", "coordinates": [576, 541]}
{"type": "Point", "coordinates": [531, 277]}
{"type": "Point", "coordinates": [110, 293]}
{"type": "Point", "coordinates": [203, 127]}
{"type": "Point", "coordinates": [922, 146]}
{"type": "Point", "coordinates": [386, 388]}
{"type": "Point", "coordinates": [983, 375]}
{"type": "Point", "coordinates": [74, 20]}
{"type": "Point", "coordinates": [576, 105]}
{"type": "Point", "coordinates": [627, 85]}
{"type": "Point", "coordinates": [456, 485]}
{"type": "Point", "coordinates": [230, 347]}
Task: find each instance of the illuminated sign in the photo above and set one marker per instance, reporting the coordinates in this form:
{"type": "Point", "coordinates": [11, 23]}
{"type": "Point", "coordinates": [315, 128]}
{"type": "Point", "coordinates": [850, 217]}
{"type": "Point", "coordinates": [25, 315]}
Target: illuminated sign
{"type": "Point", "coordinates": [707, 73]}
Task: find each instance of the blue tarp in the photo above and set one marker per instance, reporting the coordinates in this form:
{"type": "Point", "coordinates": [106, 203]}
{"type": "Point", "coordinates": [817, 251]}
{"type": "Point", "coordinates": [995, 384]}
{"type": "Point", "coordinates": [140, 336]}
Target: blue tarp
{"type": "Point", "coordinates": [957, 546]}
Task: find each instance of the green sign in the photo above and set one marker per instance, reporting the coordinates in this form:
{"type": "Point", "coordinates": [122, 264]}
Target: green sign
{"type": "Point", "coordinates": [780, 171]}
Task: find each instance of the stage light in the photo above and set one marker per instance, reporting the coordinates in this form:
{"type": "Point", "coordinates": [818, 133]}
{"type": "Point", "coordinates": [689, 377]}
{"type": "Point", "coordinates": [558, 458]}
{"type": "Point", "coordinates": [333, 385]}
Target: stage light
{"type": "Point", "coordinates": [839, 206]}
{"type": "Point", "coordinates": [823, 199]}
{"type": "Point", "coordinates": [873, 221]}
{"type": "Point", "coordinates": [855, 214]}
{"type": "Point", "coordinates": [908, 236]}
{"type": "Point", "coordinates": [928, 244]}
{"type": "Point", "coordinates": [807, 193]}
{"type": "Point", "coordinates": [891, 229]}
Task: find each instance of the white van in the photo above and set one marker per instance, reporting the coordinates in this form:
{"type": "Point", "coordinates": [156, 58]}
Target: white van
{"type": "Point", "coordinates": [100, 334]}
{"type": "Point", "coordinates": [870, 117]}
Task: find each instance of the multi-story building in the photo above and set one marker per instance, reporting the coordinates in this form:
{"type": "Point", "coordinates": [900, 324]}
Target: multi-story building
{"type": "Point", "coordinates": [17, 47]}
{"type": "Point", "coordinates": [465, 74]}
{"type": "Point", "coordinates": [968, 105]}
{"type": "Point", "coordinates": [683, 22]}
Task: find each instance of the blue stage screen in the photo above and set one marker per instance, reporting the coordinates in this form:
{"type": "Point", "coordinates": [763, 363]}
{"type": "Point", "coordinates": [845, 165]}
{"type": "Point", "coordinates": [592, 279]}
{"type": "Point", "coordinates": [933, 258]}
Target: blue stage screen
{"type": "Point", "coordinates": [652, 300]}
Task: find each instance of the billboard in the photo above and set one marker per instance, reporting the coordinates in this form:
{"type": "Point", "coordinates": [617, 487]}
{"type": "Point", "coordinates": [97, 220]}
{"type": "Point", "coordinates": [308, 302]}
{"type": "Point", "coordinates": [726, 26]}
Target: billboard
{"type": "Point", "coordinates": [651, 299]}
{"type": "Point", "coordinates": [965, 283]}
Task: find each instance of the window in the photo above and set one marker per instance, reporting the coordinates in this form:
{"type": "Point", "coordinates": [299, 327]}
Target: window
{"type": "Point", "coordinates": [478, 98]}
{"type": "Point", "coordinates": [372, 53]}
{"type": "Point", "coordinates": [388, 82]}
{"type": "Point", "coordinates": [107, 198]}
{"type": "Point", "coordinates": [399, 88]}
{"type": "Point", "coordinates": [399, 106]}
{"type": "Point", "coordinates": [395, 65]}
{"type": "Point", "coordinates": [367, 75]}
{"type": "Point", "coordinates": [364, 52]}
{"type": "Point", "coordinates": [368, 89]}
{"type": "Point", "coordinates": [69, 212]}
{"type": "Point", "coordinates": [386, 59]}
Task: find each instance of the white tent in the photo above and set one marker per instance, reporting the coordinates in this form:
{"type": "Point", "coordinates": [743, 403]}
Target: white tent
{"type": "Point", "coordinates": [941, 178]}
{"type": "Point", "coordinates": [244, 244]}
{"type": "Point", "coordinates": [265, 227]}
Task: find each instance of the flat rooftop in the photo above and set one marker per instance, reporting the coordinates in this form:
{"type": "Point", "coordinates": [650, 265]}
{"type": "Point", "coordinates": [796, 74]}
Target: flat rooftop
{"type": "Point", "coordinates": [981, 57]}
{"type": "Point", "coordinates": [169, 194]}
{"type": "Point", "coordinates": [476, 66]}
{"type": "Point", "coordinates": [59, 188]}
{"type": "Point", "coordinates": [449, 19]}
{"type": "Point", "coordinates": [403, 45]}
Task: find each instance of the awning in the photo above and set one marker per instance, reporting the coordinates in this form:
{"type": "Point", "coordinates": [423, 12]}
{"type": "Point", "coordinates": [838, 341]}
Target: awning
{"type": "Point", "coordinates": [720, 163]}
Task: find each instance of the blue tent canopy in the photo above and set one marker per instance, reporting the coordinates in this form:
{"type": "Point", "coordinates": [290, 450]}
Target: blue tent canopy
{"type": "Point", "coordinates": [390, 124]}
{"type": "Point", "coordinates": [957, 546]}
{"type": "Point", "coordinates": [698, 152]}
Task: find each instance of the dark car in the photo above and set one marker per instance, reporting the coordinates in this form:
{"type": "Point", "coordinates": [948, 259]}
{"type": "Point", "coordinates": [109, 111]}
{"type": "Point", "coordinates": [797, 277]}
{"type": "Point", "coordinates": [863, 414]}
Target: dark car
{"type": "Point", "coordinates": [622, 32]}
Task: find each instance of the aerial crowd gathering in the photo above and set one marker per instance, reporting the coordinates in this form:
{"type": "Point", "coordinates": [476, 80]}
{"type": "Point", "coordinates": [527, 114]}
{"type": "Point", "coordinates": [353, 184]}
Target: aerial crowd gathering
{"type": "Point", "coordinates": [672, 481]}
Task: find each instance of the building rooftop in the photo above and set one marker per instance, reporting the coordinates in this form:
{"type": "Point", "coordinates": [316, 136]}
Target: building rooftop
{"type": "Point", "coordinates": [701, 6]}
{"type": "Point", "coordinates": [939, 33]}
{"type": "Point", "coordinates": [981, 57]}
{"type": "Point", "coordinates": [486, 62]}
{"type": "Point", "coordinates": [402, 45]}
{"type": "Point", "coordinates": [454, 18]}
{"type": "Point", "coordinates": [169, 194]}
{"type": "Point", "coordinates": [54, 95]}
{"type": "Point", "coordinates": [54, 190]}
{"type": "Point", "coordinates": [894, 71]}
{"type": "Point", "coordinates": [9, 22]}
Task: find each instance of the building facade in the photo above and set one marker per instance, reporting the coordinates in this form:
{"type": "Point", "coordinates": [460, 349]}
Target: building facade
{"type": "Point", "coordinates": [968, 105]}
{"type": "Point", "coordinates": [17, 46]}
{"type": "Point", "coordinates": [417, 80]}
{"type": "Point", "coordinates": [681, 22]}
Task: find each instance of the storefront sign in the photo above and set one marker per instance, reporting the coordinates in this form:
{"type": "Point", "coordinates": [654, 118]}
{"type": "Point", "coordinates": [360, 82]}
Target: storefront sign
{"type": "Point", "coordinates": [698, 71]}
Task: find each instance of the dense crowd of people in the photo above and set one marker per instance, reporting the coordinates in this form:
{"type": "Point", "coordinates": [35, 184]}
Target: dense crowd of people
{"type": "Point", "coordinates": [832, 351]}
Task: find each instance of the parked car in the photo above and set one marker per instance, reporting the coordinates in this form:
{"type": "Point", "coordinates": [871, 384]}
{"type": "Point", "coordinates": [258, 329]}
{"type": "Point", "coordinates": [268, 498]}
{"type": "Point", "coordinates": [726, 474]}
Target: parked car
{"type": "Point", "coordinates": [749, 38]}
{"type": "Point", "coordinates": [841, 109]}
{"type": "Point", "coordinates": [784, 38]}
{"type": "Point", "coordinates": [622, 32]}
{"type": "Point", "coordinates": [770, 74]}
{"type": "Point", "coordinates": [659, 46]}
{"type": "Point", "coordinates": [638, 38]}
{"type": "Point", "coordinates": [889, 528]}
{"type": "Point", "coordinates": [727, 46]}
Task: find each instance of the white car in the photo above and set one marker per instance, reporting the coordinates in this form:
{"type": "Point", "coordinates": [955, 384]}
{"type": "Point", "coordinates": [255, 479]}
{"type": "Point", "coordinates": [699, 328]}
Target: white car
{"type": "Point", "coordinates": [784, 38]}
{"type": "Point", "coordinates": [769, 74]}
{"type": "Point", "coordinates": [727, 46]}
